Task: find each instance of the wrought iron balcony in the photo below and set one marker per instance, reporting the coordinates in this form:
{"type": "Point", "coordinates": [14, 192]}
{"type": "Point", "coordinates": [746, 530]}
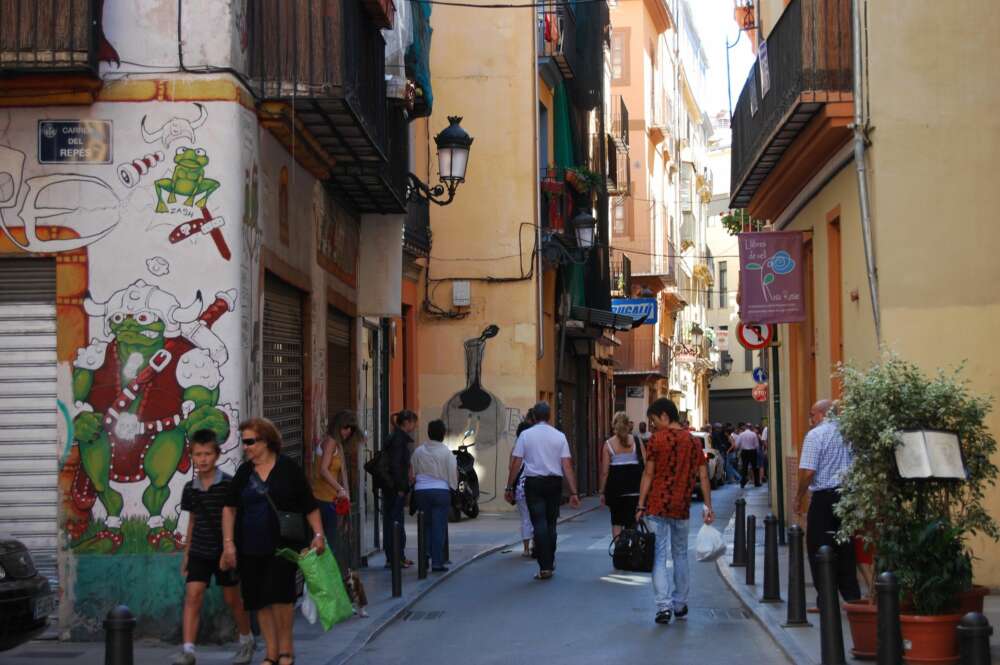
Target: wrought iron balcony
{"type": "Point", "coordinates": [641, 354]}
{"type": "Point", "coordinates": [809, 66]}
{"type": "Point", "coordinates": [44, 36]}
{"type": "Point", "coordinates": [619, 122]}
{"type": "Point", "coordinates": [621, 277]}
{"type": "Point", "coordinates": [557, 36]}
{"type": "Point", "coordinates": [326, 60]}
{"type": "Point", "coordinates": [417, 228]}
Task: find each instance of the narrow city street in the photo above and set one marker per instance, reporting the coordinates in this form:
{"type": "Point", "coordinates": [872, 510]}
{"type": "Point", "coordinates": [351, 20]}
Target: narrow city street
{"type": "Point", "coordinates": [587, 613]}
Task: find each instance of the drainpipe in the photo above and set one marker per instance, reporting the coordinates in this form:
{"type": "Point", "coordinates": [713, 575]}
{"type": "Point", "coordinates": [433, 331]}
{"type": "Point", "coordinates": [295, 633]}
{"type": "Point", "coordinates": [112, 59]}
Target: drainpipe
{"type": "Point", "coordinates": [860, 146]}
{"type": "Point", "coordinates": [538, 193]}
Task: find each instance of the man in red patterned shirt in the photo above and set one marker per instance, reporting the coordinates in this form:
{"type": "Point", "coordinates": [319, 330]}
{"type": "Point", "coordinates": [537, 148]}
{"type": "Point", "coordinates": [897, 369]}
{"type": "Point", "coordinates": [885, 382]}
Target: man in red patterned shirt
{"type": "Point", "coordinates": [673, 459]}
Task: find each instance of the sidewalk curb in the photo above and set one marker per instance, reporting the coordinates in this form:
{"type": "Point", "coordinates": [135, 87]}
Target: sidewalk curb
{"type": "Point", "coordinates": [390, 616]}
{"type": "Point", "coordinates": [792, 651]}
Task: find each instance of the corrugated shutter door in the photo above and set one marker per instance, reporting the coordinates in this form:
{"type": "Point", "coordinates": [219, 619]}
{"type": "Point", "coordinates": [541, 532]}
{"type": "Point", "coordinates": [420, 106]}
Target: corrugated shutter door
{"type": "Point", "coordinates": [29, 446]}
{"type": "Point", "coordinates": [283, 364]}
{"type": "Point", "coordinates": [338, 363]}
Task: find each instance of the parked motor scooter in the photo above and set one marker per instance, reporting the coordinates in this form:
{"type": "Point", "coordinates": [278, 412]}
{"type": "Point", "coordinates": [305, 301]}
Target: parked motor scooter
{"type": "Point", "coordinates": [466, 498]}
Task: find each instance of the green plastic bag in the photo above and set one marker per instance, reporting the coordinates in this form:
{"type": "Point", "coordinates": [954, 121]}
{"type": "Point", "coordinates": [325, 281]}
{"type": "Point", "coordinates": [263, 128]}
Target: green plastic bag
{"type": "Point", "coordinates": [324, 583]}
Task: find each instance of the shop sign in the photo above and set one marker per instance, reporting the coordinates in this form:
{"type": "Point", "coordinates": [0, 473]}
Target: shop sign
{"type": "Point", "coordinates": [771, 284]}
{"type": "Point", "coordinates": [637, 308]}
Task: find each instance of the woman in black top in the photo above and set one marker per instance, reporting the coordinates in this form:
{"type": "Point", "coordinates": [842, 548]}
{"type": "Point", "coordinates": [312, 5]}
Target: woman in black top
{"type": "Point", "coordinates": [251, 534]}
{"type": "Point", "coordinates": [399, 447]}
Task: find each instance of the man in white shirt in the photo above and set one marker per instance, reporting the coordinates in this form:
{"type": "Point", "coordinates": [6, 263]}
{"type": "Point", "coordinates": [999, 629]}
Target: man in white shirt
{"type": "Point", "coordinates": [544, 452]}
{"type": "Point", "coordinates": [746, 442]}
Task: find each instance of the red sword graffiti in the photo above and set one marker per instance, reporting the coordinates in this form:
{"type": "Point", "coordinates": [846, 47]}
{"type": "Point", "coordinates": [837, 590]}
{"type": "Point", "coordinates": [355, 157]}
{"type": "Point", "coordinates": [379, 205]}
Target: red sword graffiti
{"type": "Point", "coordinates": [206, 225]}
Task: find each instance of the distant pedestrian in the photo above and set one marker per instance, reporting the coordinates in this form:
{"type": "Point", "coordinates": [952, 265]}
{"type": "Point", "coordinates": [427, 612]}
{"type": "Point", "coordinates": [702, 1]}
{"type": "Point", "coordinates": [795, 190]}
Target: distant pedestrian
{"type": "Point", "coordinates": [203, 499]}
{"type": "Point", "coordinates": [761, 452]}
{"type": "Point", "coordinates": [825, 459]}
{"type": "Point", "coordinates": [544, 452]}
{"type": "Point", "coordinates": [527, 531]}
{"type": "Point", "coordinates": [434, 474]}
{"type": "Point", "coordinates": [673, 460]}
{"type": "Point", "coordinates": [266, 483]}
{"type": "Point", "coordinates": [621, 472]}
{"type": "Point", "coordinates": [644, 432]}
{"type": "Point", "coordinates": [745, 443]}
{"type": "Point", "coordinates": [398, 447]}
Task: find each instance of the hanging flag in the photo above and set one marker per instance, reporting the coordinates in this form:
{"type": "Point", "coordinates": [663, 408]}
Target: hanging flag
{"type": "Point", "coordinates": [771, 277]}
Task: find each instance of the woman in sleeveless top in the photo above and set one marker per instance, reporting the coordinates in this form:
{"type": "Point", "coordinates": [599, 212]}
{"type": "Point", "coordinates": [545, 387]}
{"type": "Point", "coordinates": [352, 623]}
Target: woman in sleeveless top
{"type": "Point", "coordinates": [330, 480]}
{"type": "Point", "coordinates": [621, 473]}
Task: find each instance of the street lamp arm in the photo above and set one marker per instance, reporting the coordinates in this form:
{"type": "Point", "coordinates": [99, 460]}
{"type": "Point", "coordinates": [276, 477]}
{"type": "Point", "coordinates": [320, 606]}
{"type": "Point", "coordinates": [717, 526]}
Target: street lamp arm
{"type": "Point", "coordinates": [417, 187]}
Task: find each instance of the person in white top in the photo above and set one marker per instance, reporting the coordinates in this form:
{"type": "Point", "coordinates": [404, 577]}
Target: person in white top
{"type": "Point", "coordinates": [746, 441]}
{"type": "Point", "coordinates": [434, 473]}
{"type": "Point", "coordinates": [544, 452]}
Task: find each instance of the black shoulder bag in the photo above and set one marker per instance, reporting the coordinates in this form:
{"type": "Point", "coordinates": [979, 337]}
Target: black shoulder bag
{"type": "Point", "coordinates": [291, 525]}
{"type": "Point", "coordinates": [633, 549]}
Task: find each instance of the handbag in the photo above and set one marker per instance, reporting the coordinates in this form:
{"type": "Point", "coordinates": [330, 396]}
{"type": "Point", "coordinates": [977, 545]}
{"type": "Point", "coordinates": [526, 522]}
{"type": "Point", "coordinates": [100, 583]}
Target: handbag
{"type": "Point", "coordinates": [291, 525]}
{"type": "Point", "coordinates": [633, 549]}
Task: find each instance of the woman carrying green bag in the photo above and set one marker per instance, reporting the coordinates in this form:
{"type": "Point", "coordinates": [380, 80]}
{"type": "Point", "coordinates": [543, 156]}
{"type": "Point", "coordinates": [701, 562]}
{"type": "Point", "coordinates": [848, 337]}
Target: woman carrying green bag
{"type": "Point", "coordinates": [326, 589]}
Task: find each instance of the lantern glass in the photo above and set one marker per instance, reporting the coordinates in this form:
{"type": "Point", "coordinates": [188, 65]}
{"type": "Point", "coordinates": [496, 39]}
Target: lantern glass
{"type": "Point", "coordinates": [584, 228]}
{"type": "Point", "coordinates": [452, 163]}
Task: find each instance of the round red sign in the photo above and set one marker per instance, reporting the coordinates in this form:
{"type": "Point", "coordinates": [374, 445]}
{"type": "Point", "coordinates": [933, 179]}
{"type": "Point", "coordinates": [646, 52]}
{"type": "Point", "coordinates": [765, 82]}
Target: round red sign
{"type": "Point", "coordinates": [755, 336]}
{"type": "Point", "coordinates": [759, 392]}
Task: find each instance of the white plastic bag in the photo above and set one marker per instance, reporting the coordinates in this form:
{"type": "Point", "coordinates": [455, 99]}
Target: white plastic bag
{"type": "Point", "coordinates": [308, 607]}
{"type": "Point", "coordinates": [709, 545]}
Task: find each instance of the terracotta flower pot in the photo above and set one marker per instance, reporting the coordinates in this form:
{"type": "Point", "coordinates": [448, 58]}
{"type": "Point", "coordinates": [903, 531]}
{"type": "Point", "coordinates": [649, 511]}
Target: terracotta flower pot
{"type": "Point", "coordinates": [930, 639]}
{"type": "Point", "coordinates": [862, 617]}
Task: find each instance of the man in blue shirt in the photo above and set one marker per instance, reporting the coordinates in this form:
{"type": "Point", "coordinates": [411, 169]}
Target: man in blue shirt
{"type": "Point", "coordinates": [824, 460]}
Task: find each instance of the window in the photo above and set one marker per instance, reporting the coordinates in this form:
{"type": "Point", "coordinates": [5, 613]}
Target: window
{"type": "Point", "coordinates": [619, 56]}
{"type": "Point", "coordinates": [620, 227]}
{"type": "Point", "coordinates": [747, 360]}
{"type": "Point", "coordinates": [723, 293]}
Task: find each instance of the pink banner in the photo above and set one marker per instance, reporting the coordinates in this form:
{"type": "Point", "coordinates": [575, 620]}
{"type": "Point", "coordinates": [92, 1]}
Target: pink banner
{"type": "Point", "coordinates": [771, 278]}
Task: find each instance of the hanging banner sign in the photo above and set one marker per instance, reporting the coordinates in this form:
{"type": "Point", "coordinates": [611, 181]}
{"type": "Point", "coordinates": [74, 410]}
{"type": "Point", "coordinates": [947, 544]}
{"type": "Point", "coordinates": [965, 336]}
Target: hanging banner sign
{"type": "Point", "coordinates": [636, 308]}
{"type": "Point", "coordinates": [771, 284]}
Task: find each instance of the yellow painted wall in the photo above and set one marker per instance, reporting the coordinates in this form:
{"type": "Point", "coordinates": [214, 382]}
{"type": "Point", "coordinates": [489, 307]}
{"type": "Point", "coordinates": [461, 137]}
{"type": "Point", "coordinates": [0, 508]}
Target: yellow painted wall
{"type": "Point", "coordinates": [484, 70]}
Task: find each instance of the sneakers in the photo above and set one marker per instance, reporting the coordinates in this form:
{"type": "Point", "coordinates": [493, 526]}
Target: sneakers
{"type": "Point", "coordinates": [244, 654]}
{"type": "Point", "coordinates": [663, 617]}
{"type": "Point", "coordinates": [681, 613]}
{"type": "Point", "coordinates": [186, 658]}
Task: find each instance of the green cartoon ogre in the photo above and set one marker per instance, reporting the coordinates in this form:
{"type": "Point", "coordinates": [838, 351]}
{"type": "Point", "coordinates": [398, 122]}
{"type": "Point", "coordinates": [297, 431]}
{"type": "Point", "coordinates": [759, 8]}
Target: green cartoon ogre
{"type": "Point", "coordinates": [187, 180]}
{"type": "Point", "coordinates": [138, 397]}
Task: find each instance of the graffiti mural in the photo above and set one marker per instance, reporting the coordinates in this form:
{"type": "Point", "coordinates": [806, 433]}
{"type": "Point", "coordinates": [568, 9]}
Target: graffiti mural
{"type": "Point", "coordinates": [140, 392]}
{"type": "Point", "coordinates": [188, 179]}
{"type": "Point", "coordinates": [174, 129]}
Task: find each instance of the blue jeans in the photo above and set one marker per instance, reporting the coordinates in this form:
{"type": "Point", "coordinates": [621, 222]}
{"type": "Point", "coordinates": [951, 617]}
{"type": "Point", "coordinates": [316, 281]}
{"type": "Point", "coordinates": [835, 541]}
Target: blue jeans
{"type": "Point", "coordinates": [673, 534]}
{"type": "Point", "coordinates": [435, 504]}
{"type": "Point", "coordinates": [731, 472]}
{"type": "Point", "coordinates": [328, 513]}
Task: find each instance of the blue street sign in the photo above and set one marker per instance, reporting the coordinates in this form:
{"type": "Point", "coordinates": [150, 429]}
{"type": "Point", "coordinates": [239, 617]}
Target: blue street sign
{"type": "Point", "coordinates": [74, 141]}
{"type": "Point", "coordinates": [759, 375]}
{"type": "Point", "coordinates": [636, 308]}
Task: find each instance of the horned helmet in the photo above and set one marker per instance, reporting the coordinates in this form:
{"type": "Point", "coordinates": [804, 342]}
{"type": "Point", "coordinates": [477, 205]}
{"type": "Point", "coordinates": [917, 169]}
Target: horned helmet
{"type": "Point", "coordinates": [145, 301]}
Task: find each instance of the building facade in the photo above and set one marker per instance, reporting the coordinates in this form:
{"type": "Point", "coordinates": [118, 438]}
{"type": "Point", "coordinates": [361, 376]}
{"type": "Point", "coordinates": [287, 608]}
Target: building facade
{"type": "Point", "coordinates": [196, 228]}
{"type": "Point", "coordinates": [795, 165]}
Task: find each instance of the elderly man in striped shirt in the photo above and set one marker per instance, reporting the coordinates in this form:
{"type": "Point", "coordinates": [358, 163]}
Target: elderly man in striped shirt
{"type": "Point", "coordinates": [825, 458]}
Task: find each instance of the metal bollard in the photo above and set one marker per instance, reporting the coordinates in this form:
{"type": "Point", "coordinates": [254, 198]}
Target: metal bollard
{"type": "Point", "coordinates": [796, 578]}
{"type": "Point", "coordinates": [831, 632]}
{"type": "Point", "coordinates": [751, 550]}
{"type": "Point", "coordinates": [772, 585]}
{"type": "Point", "coordinates": [890, 638]}
{"type": "Point", "coordinates": [397, 559]}
{"type": "Point", "coordinates": [118, 627]}
{"type": "Point", "coordinates": [357, 561]}
{"type": "Point", "coordinates": [421, 545]}
{"type": "Point", "coordinates": [974, 632]}
{"type": "Point", "coordinates": [446, 552]}
{"type": "Point", "coordinates": [739, 536]}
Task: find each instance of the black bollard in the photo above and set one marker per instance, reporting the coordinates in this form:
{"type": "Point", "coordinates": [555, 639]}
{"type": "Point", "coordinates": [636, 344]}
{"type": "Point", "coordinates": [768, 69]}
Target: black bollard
{"type": "Point", "coordinates": [751, 551]}
{"type": "Point", "coordinates": [796, 578]}
{"type": "Point", "coordinates": [446, 552]}
{"type": "Point", "coordinates": [974, 632]}
{"type": "Point", "coordinates": [396, 562]}
{"type": "Point", "coordinates": [890, 639]}
{"type": "Point", "coordinates": [739, 535]}
{"type": "Point", "coordinates": [831, 633]}
{"type": "Point", "coordinates": [357, 561]}
{"type": "Point", "coordinates": [421, 545]}
{"type": "Point", "coordinates": [118, 627]}
{"type": "Point", "coordinates": [772, 585]}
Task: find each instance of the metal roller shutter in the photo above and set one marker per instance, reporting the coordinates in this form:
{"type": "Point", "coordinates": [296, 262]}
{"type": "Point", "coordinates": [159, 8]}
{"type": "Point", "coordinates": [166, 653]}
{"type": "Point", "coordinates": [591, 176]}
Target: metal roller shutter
{"type": "Point", "coordinates": [29, 446]}
{"type": "Point", "coordinates": [283, 364]}
{"type": "Point", "coordinates": [338, 362]}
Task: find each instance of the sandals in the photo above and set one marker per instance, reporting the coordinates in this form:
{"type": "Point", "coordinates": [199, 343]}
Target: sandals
{"type": "Point", "coordinates": [544, 575]}
{"type": "Point", "coordinates": [291, 658]}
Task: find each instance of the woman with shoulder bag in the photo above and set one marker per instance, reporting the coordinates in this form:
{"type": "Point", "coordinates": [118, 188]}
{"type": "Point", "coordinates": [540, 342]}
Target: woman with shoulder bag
{"type": "Point", "coordinates": [330, 484]}
{"type": "Point", "coordinates": [621, 473]}
{"type": "Point", "coordinates": [268, 504]}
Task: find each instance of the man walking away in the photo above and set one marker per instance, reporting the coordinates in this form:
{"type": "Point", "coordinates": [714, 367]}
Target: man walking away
{"type": "Point", "coordinates": [672, 460]}
{"type": "Point", "coordinates": [825, 459]}
{"type": "Point", "coordinates": [544, 452]}
{"type": "Point", "coordinates": [746, 443]}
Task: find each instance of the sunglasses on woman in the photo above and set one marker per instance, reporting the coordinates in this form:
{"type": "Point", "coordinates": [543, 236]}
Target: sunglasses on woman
{"type": "Point", "coordinates": [250, 442]}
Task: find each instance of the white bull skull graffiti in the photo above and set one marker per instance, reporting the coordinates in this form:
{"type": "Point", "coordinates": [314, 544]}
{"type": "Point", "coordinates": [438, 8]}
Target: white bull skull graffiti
{"type": "Point", "coordinates": [175, 128]}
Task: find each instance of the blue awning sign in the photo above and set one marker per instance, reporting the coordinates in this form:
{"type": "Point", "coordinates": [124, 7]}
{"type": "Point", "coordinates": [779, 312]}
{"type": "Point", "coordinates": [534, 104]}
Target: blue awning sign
{"type": "Point", "coordinates": [637, 308]}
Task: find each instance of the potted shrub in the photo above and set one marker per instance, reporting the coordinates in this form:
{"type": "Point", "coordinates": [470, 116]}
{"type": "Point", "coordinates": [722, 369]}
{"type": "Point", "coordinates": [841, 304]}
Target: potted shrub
{"type": "Point", "coordinates": [918, 528]}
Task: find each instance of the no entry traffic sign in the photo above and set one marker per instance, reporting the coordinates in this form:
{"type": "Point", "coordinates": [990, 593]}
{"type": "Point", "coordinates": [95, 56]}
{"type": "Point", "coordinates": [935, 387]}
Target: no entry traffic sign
{"type": "Point", "coordinates": [755, 336]}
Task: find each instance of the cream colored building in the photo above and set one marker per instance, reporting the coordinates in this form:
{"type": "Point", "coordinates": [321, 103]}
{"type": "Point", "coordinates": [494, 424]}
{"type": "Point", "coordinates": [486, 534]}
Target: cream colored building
{"type": "Point", "coordinates": [929, 90]}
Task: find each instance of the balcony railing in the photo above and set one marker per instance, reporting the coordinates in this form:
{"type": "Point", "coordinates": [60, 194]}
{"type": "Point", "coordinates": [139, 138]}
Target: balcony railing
{"type": "Point", "coordinates": [49, 36]}
{"type": "Point", "coordinates": [809, 64]}
{"type": "Point", "coordinates": [557, 36]}
{"type": "Point", "coordinates": [621, 277]}
{"type": "Point", "coordinates": [619, 122]}
{"type": "Point", "coordinates": [326, 59]}
{"type": "Point", "coordinates": [641, 353]}
{"type": "Point", "coordinates": [417, 228]}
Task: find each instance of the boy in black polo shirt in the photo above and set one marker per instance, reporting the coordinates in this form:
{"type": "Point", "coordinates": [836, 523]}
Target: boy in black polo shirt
{"type": "Point", "coordinates": [203, 498]}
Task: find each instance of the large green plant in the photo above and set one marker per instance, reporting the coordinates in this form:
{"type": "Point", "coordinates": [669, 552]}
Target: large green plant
{"type": "Point", "coordinates": [918, 528]}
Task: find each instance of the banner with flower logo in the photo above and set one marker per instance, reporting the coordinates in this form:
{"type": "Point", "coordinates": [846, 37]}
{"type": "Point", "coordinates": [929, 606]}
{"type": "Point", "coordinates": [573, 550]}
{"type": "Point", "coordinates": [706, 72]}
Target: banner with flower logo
{"type": "Point", "coordinates": [771, 277]}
